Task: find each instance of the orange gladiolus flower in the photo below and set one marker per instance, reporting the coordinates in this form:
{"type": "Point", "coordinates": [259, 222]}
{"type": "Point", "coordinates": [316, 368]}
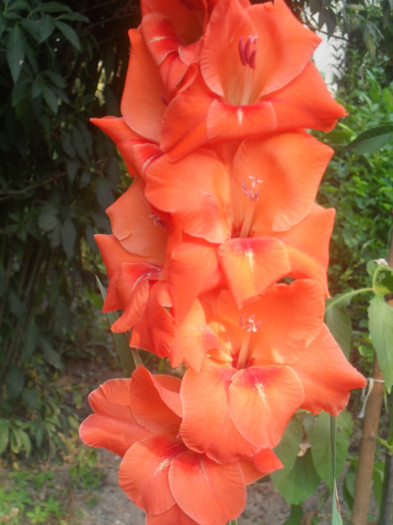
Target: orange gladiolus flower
{"type": "Point", "coordinates": [257, 207]}
{"type": "Point", "coordinates": [256, 77]}
{"type": "Point", "coordinates": [139, 420]}
{"type": "Point", "coordinates": [254, 367]}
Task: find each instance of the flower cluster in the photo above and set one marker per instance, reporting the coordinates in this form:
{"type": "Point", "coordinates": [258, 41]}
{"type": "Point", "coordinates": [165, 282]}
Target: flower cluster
{"type": "Point", "coordinates": [218, 255]}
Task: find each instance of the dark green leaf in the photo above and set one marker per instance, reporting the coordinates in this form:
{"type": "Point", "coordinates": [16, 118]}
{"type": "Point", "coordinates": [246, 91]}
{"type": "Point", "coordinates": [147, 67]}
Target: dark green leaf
{"type": "Point", "coordinates": [15, 51]}
{"type": "Point", "coordinates": [372, 140]}
{"type": "Point", "coordinates": [53, 7]}
{"type": "Point", "coordinates": [18, 5]}
{"type": "Point", "coordinates": [380, 315]}
{"type": "Point", "coordinates": [72, 167]}
{"type": "Point", "coordinates": [48, 219]}
{"type": "Point", "coordinates": [50, 98]}
{"type": "Point", "coordinates": [69, 34]}
{"type": "Point", "coordinates": [3, 279]}
{"type": "Point", "coordinates": [14, 382]}
{"type": "Point", "coordinates": [104, 193]}
{"type": "Point", "coordinates": [4, 434]}
{"type": "Point", "coordinates": [68, 237]}
{"type": "Point", "coordinates": [30, 341]}
{"type": "Point", "coordinates": [19, 92]}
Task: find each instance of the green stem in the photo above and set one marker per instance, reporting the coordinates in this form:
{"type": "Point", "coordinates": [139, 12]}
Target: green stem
{"type": "Point", "coordinates": [346, 297]}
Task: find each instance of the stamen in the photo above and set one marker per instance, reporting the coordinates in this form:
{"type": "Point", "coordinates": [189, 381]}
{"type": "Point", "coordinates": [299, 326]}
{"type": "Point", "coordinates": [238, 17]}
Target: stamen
{"type": "Point", "coordinates": [248, 50]}
{"type": "Point", "coordinates": [249, 324]}
{"type": "Point", "coordinates": [156, 219]}
{"type": "Point", "coordinates": [253, 191]}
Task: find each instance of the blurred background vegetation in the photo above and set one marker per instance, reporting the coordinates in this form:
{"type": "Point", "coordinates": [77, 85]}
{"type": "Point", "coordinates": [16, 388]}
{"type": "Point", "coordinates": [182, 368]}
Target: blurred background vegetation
{"type": "Point", "coordinates": [64, 62]}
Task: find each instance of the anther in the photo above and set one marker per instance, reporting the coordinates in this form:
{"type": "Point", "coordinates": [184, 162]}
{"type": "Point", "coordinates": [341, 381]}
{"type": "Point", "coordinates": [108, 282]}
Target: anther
{"type": "Point", "coordinates": [248, 51]}
{"type": "Point", "coordinates": [252, 190]}
{"type": "Point", "coordinates": [249, 324]}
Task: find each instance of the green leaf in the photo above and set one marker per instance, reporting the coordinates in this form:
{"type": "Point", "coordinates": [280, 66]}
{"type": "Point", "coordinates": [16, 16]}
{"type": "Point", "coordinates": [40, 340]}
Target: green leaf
{"type": "Point", "coordinates": [48, 219]}
{"type": "Point", "coordinates": [72, 167]}
{"type": "Point", "coordinates": [380, 315]}
{"type": "Point", "coordinates": [14, 382]}
{"type": "Point", "coordinates": [4, 434]}
{"type": "Point", "coordinates": [104, 193]}
{"type": "Point", "coordinates": [339, 323]}
{"type": "Point", "coordinates": [50, 355]}
{"type": "Point", "coordinates": [41, 29]}
{"type": "Point", "coordinates": [68, 237]}
{"type": "Point", "coordinates": [50, 98]}
{"type": "Point", "coordinates": [15, 51]}
{"type": "Point", "coordinates": [69, 34]}
{"type": "Point", "coordinates": [372, 140]}
{"type": "Point", "coordinates": [301, 481]}
{"type": "Point", "coordinates": [321, 446]}
{"type": "Point", "coordinates": [53, 7]}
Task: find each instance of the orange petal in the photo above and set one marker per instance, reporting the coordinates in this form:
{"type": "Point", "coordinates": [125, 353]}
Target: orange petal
{"type": "Point", "coordinates": [157, 328]}
{"type": "Point", "coordinates": [147, 398]}
{"type": "Point", "coordinates": [195, 191]}
{"type": "Point", "coordinates": [287, 318]}
{"type": "Point", "coordinates": [113, 434]}
{"type": "Point", "coordinates": [132, 287]}
{"type": "Point", "coordinates": [143, 101]}
{"type": "Point", "coordinates": [193, 269]}
{"type": "Point", "coordinates": [113, 253]}
{"type": "Point", "coordinates": [251, 265]}
{"type": "Point", "coordinates": [135, 225]}
{"type": "Point", "coordinates": [262, 401]}
{"type": "Point", "coordinates": [194, 338]}
{"type": "Point", "coordinates": [170, 517]}
{"type": "Point", "coordinates": [262, 464]}
{"type": "Point", "coordinates": [288, 168]}
{"type": "Point", "coordinates": [143, 473]}
{"type": "Point", "coordinates": [112, 426]}
{"type": "Point", "coordinates": [122, 135]}
{"type": "Point", "coordinates": [306, 103]}
{"type": "Point", "coordinates": [307, 245]}
{"type": "Point", "coordinates": [184, 121]}
{"type": "Point", "coordinates": [207, 425]}
{"type": "Point", "coordinates": [226, 121]}
{"type": "Point", "coordinates": [209, 493]}
{"type": "Point", "coordinates": [329, 390]}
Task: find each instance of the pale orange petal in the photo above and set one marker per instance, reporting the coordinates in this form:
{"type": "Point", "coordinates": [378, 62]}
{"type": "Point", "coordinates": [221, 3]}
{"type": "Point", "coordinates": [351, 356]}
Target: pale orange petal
{"type": "Point", "coordinates": [209, 493]}
{"type": "Point", "coordinates": [326, 375]}
{"type": "Point", "coordinates": [143, 473]}
{"type": "Point", "coordinates": [262, 401]}
{"type": "Point", "coordinates": [207, 425]}
{"type": "Point", "coordinates": [143, 100]}
{"type": "Point", "coordinates": [251, 265]}
{"type": "Point", "coordinates": [148, 401]}
{"type": "Point", "coordinates": [195, 191]}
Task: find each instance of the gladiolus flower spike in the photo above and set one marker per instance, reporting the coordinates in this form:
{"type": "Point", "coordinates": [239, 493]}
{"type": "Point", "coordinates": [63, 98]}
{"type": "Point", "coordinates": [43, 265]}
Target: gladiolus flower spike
{"type": "Point", "coordinates": [218, 255]}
